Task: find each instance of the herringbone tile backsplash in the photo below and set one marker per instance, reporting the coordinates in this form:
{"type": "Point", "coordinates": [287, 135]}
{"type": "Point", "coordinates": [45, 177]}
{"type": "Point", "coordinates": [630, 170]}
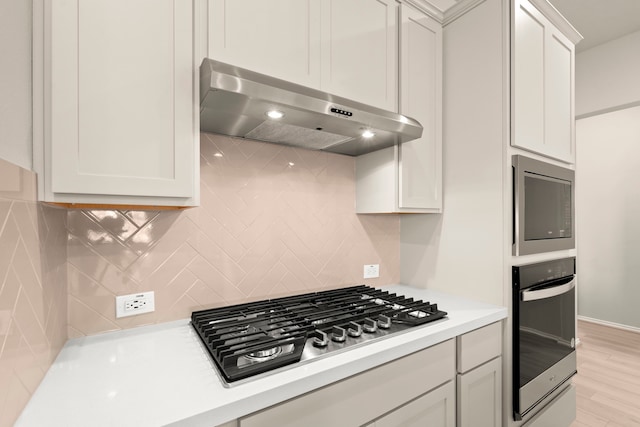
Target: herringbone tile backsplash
{"type": "Point", "coordinates": [33, 289]}
{"type": "Point", "coordinates": [273, 221]}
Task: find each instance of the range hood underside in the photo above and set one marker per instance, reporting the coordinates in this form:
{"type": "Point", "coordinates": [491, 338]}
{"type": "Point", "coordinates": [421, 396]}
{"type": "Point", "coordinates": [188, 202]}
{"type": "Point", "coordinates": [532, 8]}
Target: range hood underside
{"type": "Point", "coordinates": [234, 102]}
{"type": "Point", "coordinates": [236, 114]}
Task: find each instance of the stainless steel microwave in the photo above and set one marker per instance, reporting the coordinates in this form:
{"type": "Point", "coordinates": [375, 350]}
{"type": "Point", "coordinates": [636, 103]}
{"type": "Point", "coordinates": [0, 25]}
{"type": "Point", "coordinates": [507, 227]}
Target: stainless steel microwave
{"type": "Point", "coordinates": [543, 207]}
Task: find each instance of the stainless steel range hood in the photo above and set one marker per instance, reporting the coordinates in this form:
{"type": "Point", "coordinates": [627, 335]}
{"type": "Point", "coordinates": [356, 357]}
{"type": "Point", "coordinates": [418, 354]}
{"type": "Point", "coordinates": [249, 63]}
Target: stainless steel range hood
{"type": "Point", "coordinates": [235, 101]}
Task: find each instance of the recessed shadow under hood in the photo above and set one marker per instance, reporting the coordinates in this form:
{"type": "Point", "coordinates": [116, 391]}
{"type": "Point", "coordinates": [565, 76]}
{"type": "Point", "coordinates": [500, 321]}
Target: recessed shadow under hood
{"type": "Point", "coordinates": [235, 101]}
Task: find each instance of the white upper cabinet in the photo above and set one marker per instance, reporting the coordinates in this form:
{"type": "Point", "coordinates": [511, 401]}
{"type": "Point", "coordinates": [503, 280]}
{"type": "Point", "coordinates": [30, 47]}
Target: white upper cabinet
{"type": "Point", "coordinates": [354, 49]}
{"type": "Point", "coordinates": [559, 115]}
{"type": "Point", "coordinates": [346, 48]}
{"type": "Point", "coordinates": [543, 85]}
{"type": "Point", "coordinates": [119, 112]}
{"type": "Point", "coordinates": [280, 38]}
{"type": "Point", "coordinates": [408, 178]}
{"type": "Point", "coordinates": [359, 51]}
{"type": "Point", "coordinates": [421, 98]}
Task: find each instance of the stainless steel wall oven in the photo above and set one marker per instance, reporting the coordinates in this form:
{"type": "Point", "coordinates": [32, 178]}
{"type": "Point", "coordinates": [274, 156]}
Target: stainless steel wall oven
{"type": "Point", "coordinates": [544, 331]}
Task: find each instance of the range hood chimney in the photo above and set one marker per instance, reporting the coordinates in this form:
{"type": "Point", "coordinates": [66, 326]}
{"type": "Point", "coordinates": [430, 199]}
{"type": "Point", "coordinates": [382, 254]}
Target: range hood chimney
{"type": "Point", "coordinates": [239, 102]}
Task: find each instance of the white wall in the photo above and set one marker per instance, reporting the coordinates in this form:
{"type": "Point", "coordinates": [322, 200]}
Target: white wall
{"type": "Point", "coordinates": [607, 198]}
{"type": "Point", "coordinates": [462, 250]}
{"type": "Point", "coordinates": [607, 76]}
{"type": "Point", "coordinates": [15, 82]}
{"type": "Point", "coordinates": [608, 202]}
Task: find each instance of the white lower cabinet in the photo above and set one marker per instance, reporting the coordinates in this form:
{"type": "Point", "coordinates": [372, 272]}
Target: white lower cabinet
{"type": "Point", "coordinates": [479, 380]}
{"type": "Point", "coordinates": [479, 395]}
{"type": "Point", "coordinates": [454, 383]}
{"type": "Point", "coordinates": [435, 409]}
{"type": "Point", "coordinates": [375, 393]}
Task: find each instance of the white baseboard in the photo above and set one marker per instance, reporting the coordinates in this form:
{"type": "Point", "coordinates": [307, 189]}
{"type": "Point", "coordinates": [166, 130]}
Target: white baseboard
{"type": "Point", "coordinates": [610, 324]}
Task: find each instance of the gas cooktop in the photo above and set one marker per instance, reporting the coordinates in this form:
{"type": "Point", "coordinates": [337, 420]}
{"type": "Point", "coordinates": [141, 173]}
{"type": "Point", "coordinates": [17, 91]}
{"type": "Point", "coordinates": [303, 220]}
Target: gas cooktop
{"type": "Point", "coordinates": [250, 339]}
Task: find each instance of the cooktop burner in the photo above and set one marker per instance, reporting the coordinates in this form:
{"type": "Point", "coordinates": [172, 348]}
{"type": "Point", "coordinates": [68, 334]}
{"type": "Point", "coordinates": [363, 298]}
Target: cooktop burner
{"type": "Point", "coordinates": [249, 339]}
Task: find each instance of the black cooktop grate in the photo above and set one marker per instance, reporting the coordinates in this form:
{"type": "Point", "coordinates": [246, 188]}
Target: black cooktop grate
{"type": "Point", "coordinates": [248, 339]}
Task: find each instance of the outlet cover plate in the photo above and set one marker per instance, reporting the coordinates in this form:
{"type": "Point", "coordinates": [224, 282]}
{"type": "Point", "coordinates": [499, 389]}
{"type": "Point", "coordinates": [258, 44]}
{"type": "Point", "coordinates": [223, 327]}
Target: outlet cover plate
{"type": "Point", "coordinates": [371, 271]}
{"type": "Point", "coordinates": [133, 304]}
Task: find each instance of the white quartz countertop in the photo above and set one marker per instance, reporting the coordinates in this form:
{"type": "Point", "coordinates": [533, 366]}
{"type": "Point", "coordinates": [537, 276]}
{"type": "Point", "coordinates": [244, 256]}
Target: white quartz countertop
{"type": "Point", "coordinates": [162, 374]}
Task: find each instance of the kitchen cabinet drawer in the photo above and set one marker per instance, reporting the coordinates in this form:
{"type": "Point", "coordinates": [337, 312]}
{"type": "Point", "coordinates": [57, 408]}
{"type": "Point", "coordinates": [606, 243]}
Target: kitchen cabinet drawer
{"type": "Point", "coordinates": [560, 412]}
{"type": "Point", "coordinates": [374, 392]}
{"type": "Point", "coordinates": [119, 123]}
{"type": "Point", "coordinates": [479, 346]}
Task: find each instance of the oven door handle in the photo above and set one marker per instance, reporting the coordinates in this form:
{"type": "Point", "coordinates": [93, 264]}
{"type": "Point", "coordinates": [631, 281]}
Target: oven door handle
{"type": "Point", "coordinates": [548, 292]}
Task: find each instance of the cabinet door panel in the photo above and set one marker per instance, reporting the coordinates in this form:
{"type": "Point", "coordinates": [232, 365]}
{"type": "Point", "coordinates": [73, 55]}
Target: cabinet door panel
{"type": "Point", "coordinates": [279, 38]}
{"type": "Point", "coordinates": [374, 392]}
{"type": "Point", "coordinates": [421, 95]}
{"type": "Point", "coordinates": [528, 79]}
{"type": "Point", "coordinates": [434, 409]}
{"type": "Point", "coordinates": [359, 51]}
{"type": "Point", "coordinates": [480, 396]}
{"type": "Point", "coordinates": [543, 69]}
{"type": "Point", "coordinates": [121, 98]}
{"type": "Point", "coordinates": [558, 94]}
{"type": "Point", "coordinates": [408, 178]}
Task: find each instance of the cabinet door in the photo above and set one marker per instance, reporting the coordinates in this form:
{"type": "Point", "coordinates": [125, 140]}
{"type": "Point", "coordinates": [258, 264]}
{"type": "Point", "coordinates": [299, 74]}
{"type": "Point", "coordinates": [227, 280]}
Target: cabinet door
{"type": "Point", "coordinates": [543, 69]}
{"type": "Point", "coordinates": [480, 396]}
{"type": "Point", "coordinates": [280, 38]}
{"type": "Point", "coordinates": [359, 399]}
{"type": "Point", "coordinates": [528, 79]}
{"type": "Point", "coordinates": [359, 51]}
{"type": "Point", "coordinates": [434, 409]}
{"type": "Point", "coordinates": [408, 178]}
{"type": "Point", "coordinates": [558, 92]}
{"type": "Point", "coordinates": [420, 166]}
{"type": "Point", "coordinates": [121, 116]}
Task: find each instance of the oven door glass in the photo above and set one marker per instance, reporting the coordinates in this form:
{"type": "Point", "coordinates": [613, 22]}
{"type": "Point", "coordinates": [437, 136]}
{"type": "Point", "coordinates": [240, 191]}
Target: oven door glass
{"type": "Point", "coordinates": [547, 327]}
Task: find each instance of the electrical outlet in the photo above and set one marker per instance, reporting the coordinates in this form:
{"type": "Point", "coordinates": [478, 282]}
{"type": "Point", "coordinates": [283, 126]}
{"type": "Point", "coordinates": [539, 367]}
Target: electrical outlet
{"type": "Point", "coordinates": [371, 271]}
{"type": "Point", "coordinates": [130, 305]}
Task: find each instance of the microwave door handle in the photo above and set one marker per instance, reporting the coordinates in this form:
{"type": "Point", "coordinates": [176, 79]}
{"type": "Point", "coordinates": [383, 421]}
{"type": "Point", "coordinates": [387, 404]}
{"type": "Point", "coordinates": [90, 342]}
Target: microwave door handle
{"type": "Point", "coordinates": [548, 292]}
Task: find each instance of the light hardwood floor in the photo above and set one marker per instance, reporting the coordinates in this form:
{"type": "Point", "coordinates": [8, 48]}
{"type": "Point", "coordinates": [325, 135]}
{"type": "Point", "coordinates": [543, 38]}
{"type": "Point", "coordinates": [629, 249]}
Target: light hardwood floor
{"type": "Point", "coordinates": [608, 380]}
